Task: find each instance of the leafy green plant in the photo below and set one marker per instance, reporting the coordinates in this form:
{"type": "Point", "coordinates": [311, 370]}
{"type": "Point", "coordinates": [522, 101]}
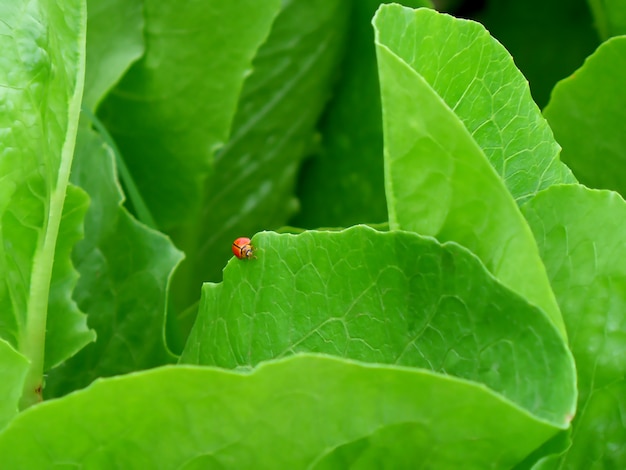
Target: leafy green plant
{"type": "Point", "coordinates": [469, 314]}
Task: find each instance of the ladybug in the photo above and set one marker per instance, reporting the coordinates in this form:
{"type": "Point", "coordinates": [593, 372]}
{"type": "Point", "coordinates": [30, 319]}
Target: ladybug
{"type": "Point", "coordinates": [242, 248]}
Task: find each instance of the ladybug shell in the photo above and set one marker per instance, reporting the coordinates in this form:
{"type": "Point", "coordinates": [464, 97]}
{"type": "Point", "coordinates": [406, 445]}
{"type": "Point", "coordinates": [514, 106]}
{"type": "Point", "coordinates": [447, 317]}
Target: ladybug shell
{"type": "Point", "coordinates": [242, 248]}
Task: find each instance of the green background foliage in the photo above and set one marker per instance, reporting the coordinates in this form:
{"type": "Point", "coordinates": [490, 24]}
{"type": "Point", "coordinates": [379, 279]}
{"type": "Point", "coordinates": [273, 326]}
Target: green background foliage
{"type": "Point", "coordinates": [157, 110]}
{"type": "Point", "coordinates": [548, 40]}
{"type": "Point", "coordinates": [477, 323]}
{"type": "Point", "coordinates": [585, 111]}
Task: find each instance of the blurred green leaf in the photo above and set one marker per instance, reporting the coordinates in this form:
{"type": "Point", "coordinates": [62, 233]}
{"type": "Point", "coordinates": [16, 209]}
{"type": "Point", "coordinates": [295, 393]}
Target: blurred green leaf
{"type": "Point", "coordinates": [114, 41]}
{"type": "Point", "coordinates": [252, 186]}
{"type": "Point", "coordinates": [610, 17]}
{"type": "Point", "coordinates": [548, 456]}
{"type": "Point", "coordinates": [174, 107]}
{"type": "Point", "coordinates": [42, 74]}
{"type": "Point", "coordinates": [125, 269]}
{"type": "Point", "coordinates": [387, 297]}
{"type": "Point", "coordinates": [13, 369]}
{"type": "Point", "coordinates": [580, 235]}
{"type": "Point", "coordinates": [343, 183]}
{"type": "Point", "coordinates": [277, 416]}
{"type": "Point", "coordinates": [547, 39]}
{"type": "Point", "coordinates": [438, 179]}
{"type": "Point", "coordinates": [587, 111]}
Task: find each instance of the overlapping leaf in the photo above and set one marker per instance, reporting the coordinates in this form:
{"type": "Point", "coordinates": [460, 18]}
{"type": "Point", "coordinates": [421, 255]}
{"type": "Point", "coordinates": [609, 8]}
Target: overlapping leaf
{"type": "Point", "coordinates": [382, 297]}
{"type": "Point", "coordinates": [65, 327]}
{"type": "Point", "coordinates": [125, 269]}
{"type": "Point", "coordinates": [174, 107]}
{"type": "Point", "coordinates": [252, 186]}
{"type": "Point", "coordinates": [580, 235]}
{"type": "Point", "coordinates": [434, 360]}
{"type": "Point", "coordinates": [114, 41]}
{"type": "Point", "coordinates": [477, 79]}
{"type": "Point", "coordinates": [301, 412]}
{"type": "Point", "coordinates": [343, 183]}
{"type": "Point", "coordinates": [13, 369]}
{"type": "Point", "coordinates": [438, 179]}
{"type": "Point", "coordinates": [42, 73]}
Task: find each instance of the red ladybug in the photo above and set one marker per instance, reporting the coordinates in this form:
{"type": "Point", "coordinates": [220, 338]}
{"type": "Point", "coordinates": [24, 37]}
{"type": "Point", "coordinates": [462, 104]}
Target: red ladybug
{"type": "Point", "coordinates": [242, 248]}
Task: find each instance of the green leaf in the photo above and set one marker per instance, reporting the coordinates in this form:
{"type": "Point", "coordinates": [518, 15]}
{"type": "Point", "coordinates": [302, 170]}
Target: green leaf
{"type": "Point", "coordinates": [13, 369]}
{"type": "Point", "coordinates": [387, 297]}
{"type": "Point", "coordinates": [610, 17]}
{"type": "Point", "coordinates": [438, 179]}
{"type": "Point", "coordinates": [477, 79]}
{"type": "Point", "coordinates": [114, 41]}
{"type": "Point", "coordinates": [125, 269]}
{"type": "Point", "coordinates": [174, 107]}
{"type": "Point", "coordinates": [343, 184]}
{"type": "Point", "coordinates": [580, 235]}
{"type": "Point", "coordinates": [66, 327]}
{"type": "Point", "coordinates": [548, 456]}
{"type": "Point", "coordinates": [41, 73]}
{"type": "Point", "coordinates": [252, 186]}
{"type": "Point", "coordinates": [306, 411]}
{"type": "Point", "coordinates": [586, 112]}
{"type": "Point", "coordinates": [548, 39]}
